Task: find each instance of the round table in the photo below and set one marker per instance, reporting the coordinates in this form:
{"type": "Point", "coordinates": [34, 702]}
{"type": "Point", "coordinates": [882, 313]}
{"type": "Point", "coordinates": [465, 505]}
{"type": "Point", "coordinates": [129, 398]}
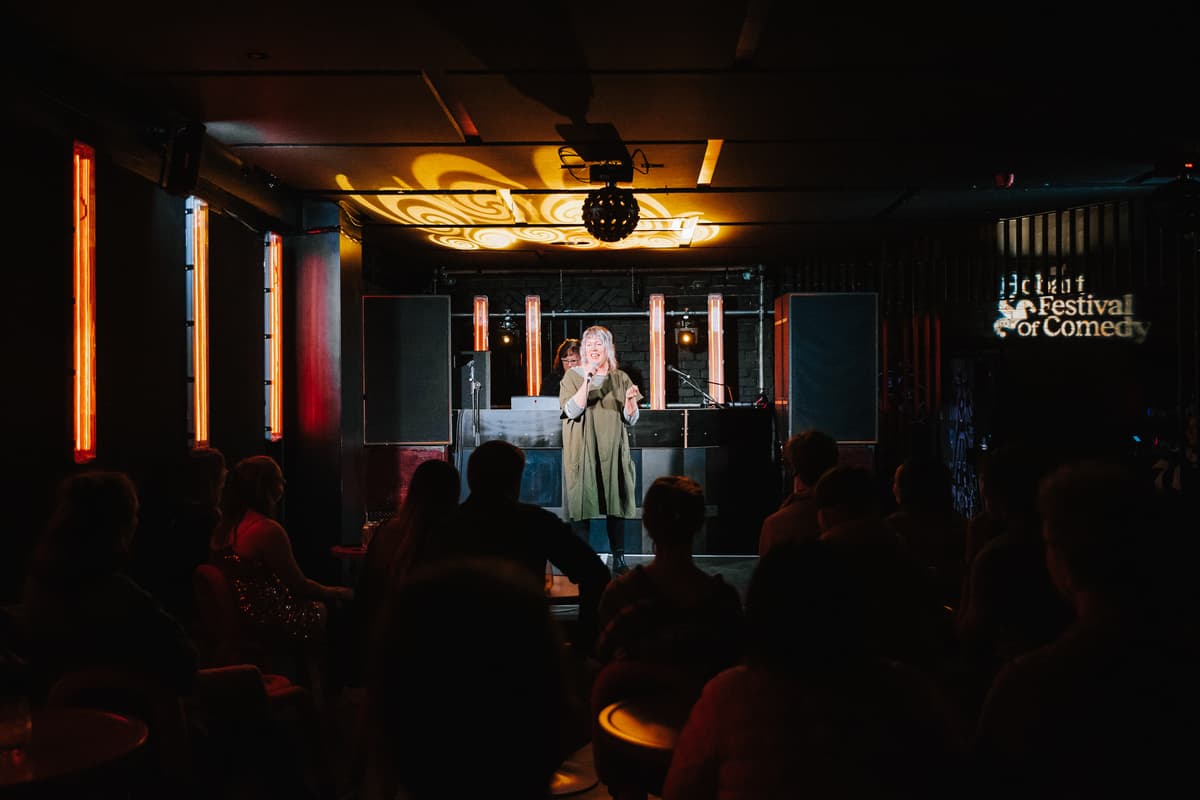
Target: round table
{"type": "Point", "coordinates": [636, 739]}
{"type": "Point", "coordinates": [70, 743]}
{"type": "Point", "coordinates": [652, 722]}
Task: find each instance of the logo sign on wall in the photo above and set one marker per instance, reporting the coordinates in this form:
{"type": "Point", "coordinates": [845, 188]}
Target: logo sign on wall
{"type": "Point", "coordinates": [1061, 307]}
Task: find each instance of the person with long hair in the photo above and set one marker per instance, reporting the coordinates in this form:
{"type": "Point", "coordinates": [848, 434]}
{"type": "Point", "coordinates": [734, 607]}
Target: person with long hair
{"type": "Point", "coordinates": [599, 403]}
{"type": "Point", "coordinates": [277, 599]}
{"type": "Point", "coordinates": [402, 543]}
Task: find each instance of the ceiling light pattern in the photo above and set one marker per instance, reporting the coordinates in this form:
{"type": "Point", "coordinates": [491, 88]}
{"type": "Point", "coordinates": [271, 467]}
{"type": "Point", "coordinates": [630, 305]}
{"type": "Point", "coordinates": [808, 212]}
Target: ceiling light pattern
{"type": "Point", "coordinates": [659, 227]}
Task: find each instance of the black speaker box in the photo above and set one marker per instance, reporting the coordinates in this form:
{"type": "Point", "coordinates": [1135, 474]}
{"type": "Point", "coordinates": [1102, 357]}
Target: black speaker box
{"type": "Point", "coordinates": [827, 364]}
{"type": "Point", "coordinates": [406, 369]}
{"type": "Point", "coordinates": [182, 168]}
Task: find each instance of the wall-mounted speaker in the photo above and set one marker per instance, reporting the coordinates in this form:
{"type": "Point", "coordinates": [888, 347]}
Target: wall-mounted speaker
{"type": "Point", "coordinates": [181, 168]}
{"type": "Point", "coordinates": [406, 369]}
{"type": "Point", "coordinates": [827, 364]}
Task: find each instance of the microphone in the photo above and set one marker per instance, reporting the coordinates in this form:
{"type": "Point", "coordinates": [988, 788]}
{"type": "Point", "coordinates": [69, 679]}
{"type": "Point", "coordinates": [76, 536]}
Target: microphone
{"type": "Point", "coordinates": [677, 371]}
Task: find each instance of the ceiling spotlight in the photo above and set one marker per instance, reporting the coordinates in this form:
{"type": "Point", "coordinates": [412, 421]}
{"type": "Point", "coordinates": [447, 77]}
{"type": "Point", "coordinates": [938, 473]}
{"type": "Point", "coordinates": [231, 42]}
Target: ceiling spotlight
{"type": "Point", "coordinates": [610, 214]}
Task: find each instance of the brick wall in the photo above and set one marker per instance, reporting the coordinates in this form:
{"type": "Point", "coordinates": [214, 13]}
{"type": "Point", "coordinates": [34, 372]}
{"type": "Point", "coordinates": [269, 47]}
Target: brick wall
{"type": "Point", "coordinates": [603, 292]}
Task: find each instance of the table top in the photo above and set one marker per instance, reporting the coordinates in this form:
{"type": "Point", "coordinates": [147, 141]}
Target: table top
{"type": "Point", "coordinates": [653, 721]}
{"type": "Point", "coordinates": [67, 741]}
{"type": "Point", "coordinates": [352, 552]}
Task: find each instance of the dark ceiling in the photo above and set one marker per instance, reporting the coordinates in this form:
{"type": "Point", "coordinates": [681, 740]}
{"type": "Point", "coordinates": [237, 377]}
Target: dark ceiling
{"type": "Point", "coordinates": [833, 126]}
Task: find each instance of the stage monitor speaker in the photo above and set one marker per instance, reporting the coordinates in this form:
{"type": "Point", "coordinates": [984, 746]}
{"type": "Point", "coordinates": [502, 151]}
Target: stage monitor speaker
{"type": "Point", "coordinates": [181, 172]}
{"type": "Point", "coordinates": [474, 365]}
{"type": "Point", "coordinates": [827, 364]}
{"type": "Point", "coordinates": [406, 369]}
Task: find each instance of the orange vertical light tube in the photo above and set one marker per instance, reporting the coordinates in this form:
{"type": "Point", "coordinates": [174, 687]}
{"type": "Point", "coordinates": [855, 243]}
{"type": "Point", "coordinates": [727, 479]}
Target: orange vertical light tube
{"type": "Point", "coordinates": [274, 338]}
{"type": "Point", "coordinates": [533, 344]}
{"type": "Point", "coordinates": [481, 322]}
{"type": "Point", "coordinates": [199, 311]}
{"type": "Point", "coordinates": [84, 348]}
{"type": "Point", "coordinates": [658, 352]}
{"type": "Point", "coordinates": [716, 347]}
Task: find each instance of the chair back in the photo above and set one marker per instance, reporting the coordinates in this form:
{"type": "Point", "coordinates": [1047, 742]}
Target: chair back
{"type": "Point", "coordinates": [218, 627]}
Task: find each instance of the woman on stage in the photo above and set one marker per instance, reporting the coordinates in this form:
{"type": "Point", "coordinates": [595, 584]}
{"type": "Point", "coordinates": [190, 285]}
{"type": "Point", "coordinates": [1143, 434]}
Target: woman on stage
{"type": "Point", "coordinates": [598, 402]}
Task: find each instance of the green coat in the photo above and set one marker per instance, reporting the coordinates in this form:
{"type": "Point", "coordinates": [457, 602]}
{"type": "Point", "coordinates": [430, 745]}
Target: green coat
{"type": "Point", "coordinates": [598, 440]}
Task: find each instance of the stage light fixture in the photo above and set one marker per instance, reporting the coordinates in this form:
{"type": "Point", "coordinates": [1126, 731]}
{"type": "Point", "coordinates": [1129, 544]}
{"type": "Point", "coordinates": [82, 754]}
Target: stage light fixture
{"type": "Point", "coordinates": [610, 214]}
{"type": "Point", "coordinates": [686, 334]}
{"type": "Point", "coordinates": [509, 334]}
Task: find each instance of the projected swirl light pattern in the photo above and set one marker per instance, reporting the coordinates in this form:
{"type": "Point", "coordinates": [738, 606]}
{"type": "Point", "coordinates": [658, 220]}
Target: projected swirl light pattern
{"type": "Point", "coordinates": [458, 217]}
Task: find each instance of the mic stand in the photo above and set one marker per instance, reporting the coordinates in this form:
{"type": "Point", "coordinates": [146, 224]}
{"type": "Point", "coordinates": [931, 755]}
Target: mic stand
{"type": "Point", "coordinates": [711, 400]}
{"type": "Point", "coordinates": [475, 387]}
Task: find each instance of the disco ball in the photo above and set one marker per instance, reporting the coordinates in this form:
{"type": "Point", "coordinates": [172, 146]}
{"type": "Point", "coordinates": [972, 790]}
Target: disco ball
{"type": "Point", "coordinates": [610, 214]}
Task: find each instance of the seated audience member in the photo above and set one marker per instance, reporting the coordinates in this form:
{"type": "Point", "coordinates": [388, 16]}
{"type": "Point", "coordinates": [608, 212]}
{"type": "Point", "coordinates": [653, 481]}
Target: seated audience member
{"type": "Point", "coordinates": [905, 619]}
{"type": "Point", "coordinates": [671, 611]}
{"type": "Point", "coordinates": [494, 523]}
{"type": "Point", "coordinates": [808, 455]}
{"type": "Point", "coordinates": [812, 712]}
{"type": "Point", "coordinates": [279, 604]}
{"type": "Point", "coordinates": [401, 544]}
{"type": "Point", "coordinates": [1180, 475]}
{"type": "Point", "coordinates": [164, 560]}
{"type": "Point", "coordinates": [80, 609]}
{"type": "Point", "coordinates": [934, 533]}
{"type": "Point", "coordinates": [465, 691]}
{"type": "Point", "coordinates": [1108, 708]}
{"type": "Point", "coordinates": [1009, 605]}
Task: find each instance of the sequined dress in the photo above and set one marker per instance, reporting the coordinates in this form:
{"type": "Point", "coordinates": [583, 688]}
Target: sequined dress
{"type": "Point", "coordinates": [270, 611]}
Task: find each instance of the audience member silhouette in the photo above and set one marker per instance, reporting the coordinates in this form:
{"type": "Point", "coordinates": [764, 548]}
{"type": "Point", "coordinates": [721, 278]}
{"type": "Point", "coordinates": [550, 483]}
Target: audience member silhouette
{"type": "Point", "coordinates": [1107, 709]}
{"type": "Point", "coordinates": [670, 611]}
{"type": "Point", "coordinates": [402, 543]}
{"type": "Point", "coordinates": [934, 533]}
{"type": "Point", "coordinates": [278, 602]}
{"type": "Point", "coordinates": [466, 692]}
{"type": "Point", "coordinates": [164, 560]}
{"type": "Point", "coordinates": [494, 523]}
{"type": "Point", "coordinates": [906, 620]}
{"type": "Point", "coordinates": [80, 608]}
{"type": "Point", "coordinates": [808, 455]}
{"type": "Point", "coordinates": [1181, 474]}
{"type": "Point", "coordinates": [813, 712]}
{"type": "Point", "coordinates": [1009, 605]}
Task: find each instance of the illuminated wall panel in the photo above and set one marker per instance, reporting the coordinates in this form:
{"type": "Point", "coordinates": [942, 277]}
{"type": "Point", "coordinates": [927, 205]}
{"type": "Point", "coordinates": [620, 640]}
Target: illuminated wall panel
{"type": "Point", "coordinates": [85, 304]}
{"type": "Point", "coordinates": [533, 344]}
{"type": "Point", "coordinates": [197, 310]}
{"type": "Point", "coordinates": [481, 322]}
{"type": "Point", "coordinates": [658, 353]}
{"type": "Point", "coordinates": [716, 347]}
{"type": "Point", "coordinates": [273, 335]}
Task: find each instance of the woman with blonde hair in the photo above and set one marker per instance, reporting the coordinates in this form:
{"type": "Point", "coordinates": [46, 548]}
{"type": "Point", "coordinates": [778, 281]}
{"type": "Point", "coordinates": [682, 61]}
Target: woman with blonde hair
{"type": "Point", "coordinates": [599, 403]}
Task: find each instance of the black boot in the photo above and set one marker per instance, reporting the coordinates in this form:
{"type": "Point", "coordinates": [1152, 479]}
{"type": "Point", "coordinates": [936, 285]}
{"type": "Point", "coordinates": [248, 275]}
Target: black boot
{"type": "Point", "coordinates": [615, 527]}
